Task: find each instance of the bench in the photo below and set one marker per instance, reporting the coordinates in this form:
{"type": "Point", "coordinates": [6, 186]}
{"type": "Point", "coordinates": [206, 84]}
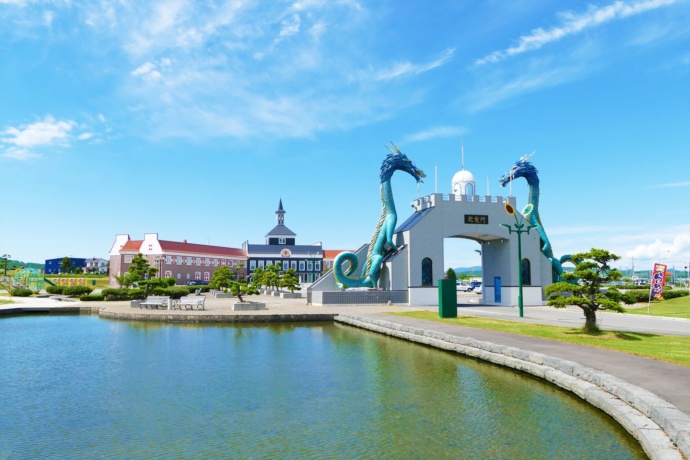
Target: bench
{"type": "Point", "coordinates": [190, 302]}
{"type": "Point", "coordinates": [155, 301]}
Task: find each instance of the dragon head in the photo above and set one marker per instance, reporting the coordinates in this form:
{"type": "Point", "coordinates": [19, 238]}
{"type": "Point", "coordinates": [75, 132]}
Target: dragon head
{"type": "Point", "coordinates": [522, 168]}
{"type": "Point", "coordinates": [396, 160]}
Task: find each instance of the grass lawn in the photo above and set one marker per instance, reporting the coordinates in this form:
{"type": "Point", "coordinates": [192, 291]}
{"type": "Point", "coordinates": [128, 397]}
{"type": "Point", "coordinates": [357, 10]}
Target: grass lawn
{"type": "Point", "coordinates": [673, 308]}
{"type": "Point", "coordinates": [673, 349]}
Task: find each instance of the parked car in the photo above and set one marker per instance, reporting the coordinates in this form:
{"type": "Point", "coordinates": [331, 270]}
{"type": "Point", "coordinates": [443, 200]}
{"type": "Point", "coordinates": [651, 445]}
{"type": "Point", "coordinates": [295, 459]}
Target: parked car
{"type": "Point", "coordinates": [478, 288]}
{"type": "Point", "coordinates": [463, 287]}
{"type": "Point", "coordinates": [474, 284]}
{"type": "Point", "coordinates": [197, 283]}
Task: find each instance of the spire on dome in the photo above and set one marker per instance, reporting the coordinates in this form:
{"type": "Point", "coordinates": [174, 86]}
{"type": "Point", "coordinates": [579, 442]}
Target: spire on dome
{"type": "Point", "coordinates": [463, 181]}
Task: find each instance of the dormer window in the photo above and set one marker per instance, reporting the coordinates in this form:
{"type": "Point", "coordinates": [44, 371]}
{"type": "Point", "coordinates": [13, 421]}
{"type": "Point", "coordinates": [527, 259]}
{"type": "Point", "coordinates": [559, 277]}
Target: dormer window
{"type": "Point", "coordinates": [281, 240]}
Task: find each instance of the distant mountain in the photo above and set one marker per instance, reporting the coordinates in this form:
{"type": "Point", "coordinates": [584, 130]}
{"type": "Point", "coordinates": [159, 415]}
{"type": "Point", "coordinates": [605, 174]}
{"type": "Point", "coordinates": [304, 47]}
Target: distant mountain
{"type": "Point", "coordinates": [476, 269]}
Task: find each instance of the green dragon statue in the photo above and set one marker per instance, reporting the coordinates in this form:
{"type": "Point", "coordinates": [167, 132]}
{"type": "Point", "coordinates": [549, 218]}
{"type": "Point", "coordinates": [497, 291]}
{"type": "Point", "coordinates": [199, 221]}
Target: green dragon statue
{"type": "Point", "coordinates": [383, 235]}
{"type": "Point", "coordinates": [524, 168]}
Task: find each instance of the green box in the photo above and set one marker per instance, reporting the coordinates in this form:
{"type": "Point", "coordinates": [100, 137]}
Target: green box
{"type": "Point", "coordinates": [447, 299]}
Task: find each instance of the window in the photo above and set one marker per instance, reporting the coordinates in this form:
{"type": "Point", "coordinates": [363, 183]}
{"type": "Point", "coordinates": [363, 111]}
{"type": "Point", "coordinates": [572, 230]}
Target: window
{"type": "Point", "coordinates": [189, 260]}
{"type": "Point", "coordinates": [317, 266]}
{"type": "Point", "coordinates": [208, 262]}
{"type": "Point", "coordinates": [179, 260]}
{"type": "Point", "coordinates": [293, 265]}
{"type": "Point", "coordinates": [261, 264]}
{"type": "Point", "coordinates": [168, 260]}
{"type": "Point", "coordinates": [301, 265]}
{"type": "Point", "coordinates": [281, 240]}
{"type": "Point", "coordinates": [197, 261]}
{"type": "Point", "coordinates": [427, 272]}
{"type": "Point", "coordinates": [197, 276]}
{"type": "Point", "coordinates": [188, 276]}
{"type": "Point", "coordinates": [328, 264]}
{"type": "Point", "coordinates": [168, 274]}
{"type": "Point", "coordinates": [526, 272]}
{"type": "Point", "coordinates": [207, 276]}
{"type": "Point", "coordinates": [252, 264]}
{"type": "Point", "coordinates": [128, 259]}
{"type": "Point", "coordinates": [310, 266]}
{"type": "Point", "coordinates": [215, 262]}
{"type": "Point", "coordinates": [179, 276]}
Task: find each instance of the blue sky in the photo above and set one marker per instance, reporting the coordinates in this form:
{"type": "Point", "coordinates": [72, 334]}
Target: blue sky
{"type": "Point", "coordinates": [192, 119]}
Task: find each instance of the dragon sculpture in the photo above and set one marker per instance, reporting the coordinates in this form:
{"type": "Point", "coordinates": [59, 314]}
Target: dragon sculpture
{"type": "Point", "coordinates": [383, 235]}
{"type": "Point", "coordinates": [524, 168]}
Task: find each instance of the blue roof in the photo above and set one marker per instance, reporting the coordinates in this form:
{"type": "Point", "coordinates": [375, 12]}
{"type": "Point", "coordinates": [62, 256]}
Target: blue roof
{"type": "Point", "coordinates": [412, 220]}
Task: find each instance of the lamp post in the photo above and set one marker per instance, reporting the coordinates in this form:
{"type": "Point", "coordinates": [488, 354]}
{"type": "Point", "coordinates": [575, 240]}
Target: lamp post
{"type": "Point", "coordinates": [519, 227]}
{"type": "Point", "coordinates": [5, 257]}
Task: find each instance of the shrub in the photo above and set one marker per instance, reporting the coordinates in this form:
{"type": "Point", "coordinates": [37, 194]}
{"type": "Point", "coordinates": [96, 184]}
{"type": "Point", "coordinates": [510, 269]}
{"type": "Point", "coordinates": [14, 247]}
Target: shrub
{"type": "Point", "coordinates": [174, 292]}
{"type": "Point", "coordinates": [112, 294]}
{"type": "Point", "coordinates": [75, 291]}
{"type": "Point", "coordinates": [136, 294]}
{"type": "Point", "coordinates": [54, 289]}
{"type": "Point", "coordinates": [20, 292]}
{"type": "Point", "coordinates": [92, 298]}
{"type": "Point", "coordinates": [638, 295]}
{"type": "Point", "coordinates": [673, 293]}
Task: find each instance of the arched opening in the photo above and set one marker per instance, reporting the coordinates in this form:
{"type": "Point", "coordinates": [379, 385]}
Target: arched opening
{"type": "Point", "coordinates": [427, 273]}
{"type": "Point", "coordinates": [469, 190]}
{"type": "Point", "coordinates": [464, 255]}
{"type": "Point", "coordinates": [526, 272]}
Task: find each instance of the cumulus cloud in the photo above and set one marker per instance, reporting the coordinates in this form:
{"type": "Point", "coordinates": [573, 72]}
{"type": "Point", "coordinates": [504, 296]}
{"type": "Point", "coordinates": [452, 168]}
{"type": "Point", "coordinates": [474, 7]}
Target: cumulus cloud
{"type": "Point", "coordinates": [151, 71]}
{"type": "Point", "coordinates": [573, 24]}
{"type": "Point", "coordinates": [49, 131]}
{"type": "Point", "coordinates": [23, 142]}
{"type": "Point", "coordinates": [659, 250]}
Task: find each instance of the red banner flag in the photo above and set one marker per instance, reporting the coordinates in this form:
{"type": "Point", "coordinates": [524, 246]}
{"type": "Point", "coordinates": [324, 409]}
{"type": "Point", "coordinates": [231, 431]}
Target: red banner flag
{"type": "Point", "coordinates": [658, 278]}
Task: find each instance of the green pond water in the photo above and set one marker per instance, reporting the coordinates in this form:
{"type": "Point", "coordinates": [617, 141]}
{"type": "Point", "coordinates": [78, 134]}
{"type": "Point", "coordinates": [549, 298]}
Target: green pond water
{"type": "Point", "coordinates": [78, 387]}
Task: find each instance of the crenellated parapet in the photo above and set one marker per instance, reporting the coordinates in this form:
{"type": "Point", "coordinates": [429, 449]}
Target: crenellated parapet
{"type": "Point", "coordinates": [438, 199]}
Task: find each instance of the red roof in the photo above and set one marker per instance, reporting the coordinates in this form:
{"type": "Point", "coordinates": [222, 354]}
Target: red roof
{"type": "Point", "coordinates": [329, 254]}
{"type": "Point", "coordinates": [176, 246]}
{"type": "Point", "coordinates": [132, 245]}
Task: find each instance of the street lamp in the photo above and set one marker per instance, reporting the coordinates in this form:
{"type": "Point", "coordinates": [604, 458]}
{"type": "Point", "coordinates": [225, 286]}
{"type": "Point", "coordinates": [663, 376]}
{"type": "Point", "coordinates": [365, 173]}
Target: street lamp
{"type": "Point", "coordinates": [518, 228]}
{"type": "Point", "coordinates": [5, 257]}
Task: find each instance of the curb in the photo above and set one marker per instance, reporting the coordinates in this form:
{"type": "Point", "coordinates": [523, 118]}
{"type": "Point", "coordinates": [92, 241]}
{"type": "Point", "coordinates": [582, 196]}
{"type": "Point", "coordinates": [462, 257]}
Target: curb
{"type": "Point", "coordinates": [662, 429]}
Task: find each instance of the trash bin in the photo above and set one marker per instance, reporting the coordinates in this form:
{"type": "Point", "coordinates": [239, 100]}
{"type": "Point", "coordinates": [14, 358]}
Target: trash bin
{"type": "Point", "coordinates": [447, 299]}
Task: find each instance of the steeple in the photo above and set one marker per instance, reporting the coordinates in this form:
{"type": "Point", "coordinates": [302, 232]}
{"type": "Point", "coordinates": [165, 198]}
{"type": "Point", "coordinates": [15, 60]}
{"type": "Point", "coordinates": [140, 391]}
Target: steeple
{"type": "Point", "coordinates": [280, 214]}
{"type": "Point", "coordinates": [280, 233]}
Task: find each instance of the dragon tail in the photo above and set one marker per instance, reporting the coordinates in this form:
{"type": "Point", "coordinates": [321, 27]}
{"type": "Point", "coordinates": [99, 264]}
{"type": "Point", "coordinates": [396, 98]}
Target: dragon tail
{"type": "Point", "coordinates": [342, 277]}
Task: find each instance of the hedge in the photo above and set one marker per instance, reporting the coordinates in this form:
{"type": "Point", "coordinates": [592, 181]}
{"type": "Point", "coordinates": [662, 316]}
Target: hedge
{"type": "Point", "coordinates": [55, 289]}
{"type": "Point", "coordinates": [20, 292]}
{"type": "Point", "coordinates": [112, 294]}
{"type": "Point", "coordinates": [92, 298]}
{"type": "Point", "coordinates": [76, 291]}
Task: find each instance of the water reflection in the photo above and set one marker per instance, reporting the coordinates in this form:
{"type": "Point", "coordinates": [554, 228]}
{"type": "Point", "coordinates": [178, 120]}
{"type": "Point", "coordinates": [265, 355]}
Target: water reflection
{"type": "Point", "coordinates": [81, 387]}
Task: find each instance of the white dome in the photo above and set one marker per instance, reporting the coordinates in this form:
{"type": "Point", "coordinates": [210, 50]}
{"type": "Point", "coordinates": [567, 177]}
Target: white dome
{"type": "Point", "coordinates": [463, 184]}
{"type": "Point", "coordinates": [463, 177]}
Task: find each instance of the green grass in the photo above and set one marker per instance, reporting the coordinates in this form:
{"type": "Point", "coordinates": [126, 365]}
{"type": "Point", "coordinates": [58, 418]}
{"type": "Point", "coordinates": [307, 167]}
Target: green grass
{"type": "Point", "coordinates": [673, 349]}
{"type": "Point", "coordinates": [673, 308]}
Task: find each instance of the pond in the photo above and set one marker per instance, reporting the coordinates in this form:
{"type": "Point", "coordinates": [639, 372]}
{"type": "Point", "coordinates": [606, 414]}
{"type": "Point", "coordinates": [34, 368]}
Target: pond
{"type": "Point", "coordinates": [82, 387]}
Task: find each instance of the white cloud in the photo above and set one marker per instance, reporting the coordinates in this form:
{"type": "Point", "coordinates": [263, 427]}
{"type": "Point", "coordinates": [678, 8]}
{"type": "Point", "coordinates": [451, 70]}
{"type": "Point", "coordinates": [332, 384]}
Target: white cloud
{"type": "Point", "coordinates": [573, 24]}
{"type": "Point", "coordinates": [401, 69]}
{"type": "Point", "coordinates": [288, 27]}
{"type": "Point", "coordinates": [672, 185]}
{"type": "Point", "coordinates": [41, 133]}
{"type": "Point", "coordinates": [150, 71]}
{"type": "Point", "coordinates": [660, 251]}
{"type": "Point", "coordinates": [437, 132]}
{"type": "Point", "coordinates": [25, 141]}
